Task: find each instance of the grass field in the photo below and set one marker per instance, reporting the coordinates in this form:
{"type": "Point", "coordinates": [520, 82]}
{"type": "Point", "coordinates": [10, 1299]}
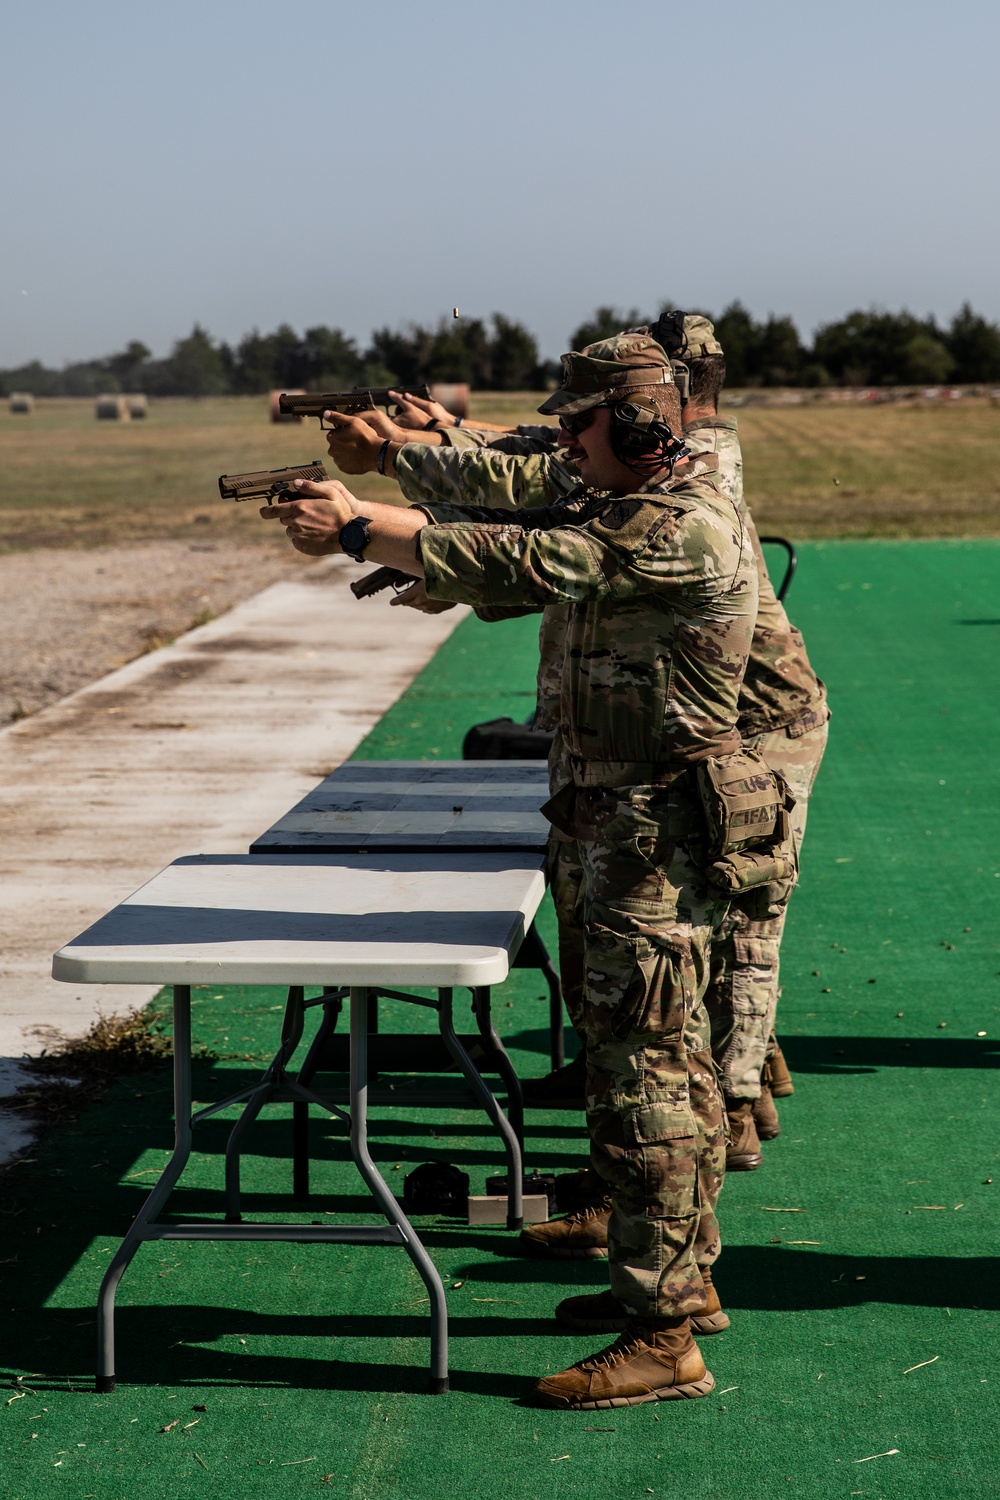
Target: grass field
{"type": "Point", "coordinates": [815, 471]}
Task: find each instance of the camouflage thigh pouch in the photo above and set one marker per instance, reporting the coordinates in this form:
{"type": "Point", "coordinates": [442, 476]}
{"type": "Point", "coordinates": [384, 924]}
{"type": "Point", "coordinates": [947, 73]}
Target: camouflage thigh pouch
{"type": "Point", "coordinates": [748, 809]}
{"type": "Point", "coordinates": [642, 984]}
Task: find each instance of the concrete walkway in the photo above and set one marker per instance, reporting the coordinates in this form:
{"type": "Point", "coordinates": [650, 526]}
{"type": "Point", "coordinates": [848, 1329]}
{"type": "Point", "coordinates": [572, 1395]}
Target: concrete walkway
{"type": "Point", "coordinates": [195, 748]}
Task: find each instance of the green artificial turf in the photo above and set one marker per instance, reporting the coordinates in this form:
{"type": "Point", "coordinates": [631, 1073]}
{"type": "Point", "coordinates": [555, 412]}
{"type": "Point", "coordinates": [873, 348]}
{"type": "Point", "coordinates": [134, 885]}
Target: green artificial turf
{"type": "Point", "coordinates": [864, 1247]}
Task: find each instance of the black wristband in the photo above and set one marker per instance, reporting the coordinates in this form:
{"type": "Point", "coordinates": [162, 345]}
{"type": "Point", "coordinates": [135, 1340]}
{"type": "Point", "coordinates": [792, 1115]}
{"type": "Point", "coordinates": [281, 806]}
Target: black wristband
{"type": "Point", "coordinates": [458, 421]}
{"type": "Point", "coordinates": [430, 426]}
{"type": "Point", "coordinates": [380, 461]}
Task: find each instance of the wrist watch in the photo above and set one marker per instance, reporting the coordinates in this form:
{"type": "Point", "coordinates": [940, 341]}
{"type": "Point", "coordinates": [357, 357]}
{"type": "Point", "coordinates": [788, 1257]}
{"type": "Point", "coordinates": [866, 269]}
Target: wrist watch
{"type": "Point", "coordinates": [355, 536]}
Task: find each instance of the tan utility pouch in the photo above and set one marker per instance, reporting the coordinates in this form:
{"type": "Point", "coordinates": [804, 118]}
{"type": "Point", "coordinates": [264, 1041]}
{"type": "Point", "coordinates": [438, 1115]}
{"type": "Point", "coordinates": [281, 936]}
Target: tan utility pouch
{"type": "Point", "coordinates": [746, 803]}
{"type": "Point", "coordinates": [747, 808]}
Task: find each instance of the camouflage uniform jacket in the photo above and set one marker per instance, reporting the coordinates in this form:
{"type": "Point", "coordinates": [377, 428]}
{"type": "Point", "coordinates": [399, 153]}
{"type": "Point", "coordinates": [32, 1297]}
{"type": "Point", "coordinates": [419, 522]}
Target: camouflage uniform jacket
{"type": "Point", "coordinates": [662, 589]}
{"type": "Point", "coordinates": [780, 687]}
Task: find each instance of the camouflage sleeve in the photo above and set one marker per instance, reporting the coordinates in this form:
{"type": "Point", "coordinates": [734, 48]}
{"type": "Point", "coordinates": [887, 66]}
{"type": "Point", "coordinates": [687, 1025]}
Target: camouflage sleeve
{"type": "Point", "coordinates": [481, 476]}
{"type": "Point", "coordinates": [524, 439]}
{"type": "Point", "coordinates": [543, 436]}
{"type": "Point", "coordinates": [465, 437]}
{"type": "Point", "coordinates": [633, 547]}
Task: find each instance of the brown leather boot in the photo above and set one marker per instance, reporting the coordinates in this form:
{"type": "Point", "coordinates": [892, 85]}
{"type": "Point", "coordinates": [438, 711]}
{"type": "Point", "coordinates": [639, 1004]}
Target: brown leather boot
{"type": "Point", "coordinates": [579, 1236]}
{"type": "Point", "coordinates": [563, 1088]}
{"type": "Point", "coordinates": [653, 1360]}
{"type": "Point", "coordinates": [711, 1319]}
{"type": "Point", "coordinates": [743, 1146]}
{"type": "Point", "coordinates": [777, 1074]}
{"type": "Point", "coordinates": [601, 1312]}
{"type": "Point", "coordinates": [765, 1116]}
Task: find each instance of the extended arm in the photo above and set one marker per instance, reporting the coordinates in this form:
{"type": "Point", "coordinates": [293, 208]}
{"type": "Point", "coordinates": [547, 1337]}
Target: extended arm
{"type": "Point", "coordinates": [482, 476]}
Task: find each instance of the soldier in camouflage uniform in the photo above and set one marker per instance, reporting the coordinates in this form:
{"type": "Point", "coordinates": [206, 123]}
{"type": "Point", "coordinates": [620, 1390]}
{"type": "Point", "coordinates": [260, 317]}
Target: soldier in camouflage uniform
{"type": "Point", "coordinates": [782, 713]}
{"type": "Point", "coordinates": [657, 571]}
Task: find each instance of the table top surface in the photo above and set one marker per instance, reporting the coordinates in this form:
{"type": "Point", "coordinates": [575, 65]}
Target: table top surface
{"type": "Point", "coordinates": [408, 919]}
{"type": "Point", "coordinates": [414, 804]}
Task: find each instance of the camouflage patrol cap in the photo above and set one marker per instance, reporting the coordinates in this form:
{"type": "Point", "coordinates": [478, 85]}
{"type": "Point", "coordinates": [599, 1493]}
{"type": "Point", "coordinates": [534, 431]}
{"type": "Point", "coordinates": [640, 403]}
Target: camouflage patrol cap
{"type": "Point", "coordinates": [610, 368]}
{"type": "Point", "coordinates": [699, 338]}
{"type": "Point", "coordinates": [684, 335]}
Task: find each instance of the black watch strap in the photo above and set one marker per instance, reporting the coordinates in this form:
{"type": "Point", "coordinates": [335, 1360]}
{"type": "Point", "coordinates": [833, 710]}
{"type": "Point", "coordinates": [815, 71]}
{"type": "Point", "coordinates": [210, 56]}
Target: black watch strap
{"type": "Point", "coordinates": [355, 536]}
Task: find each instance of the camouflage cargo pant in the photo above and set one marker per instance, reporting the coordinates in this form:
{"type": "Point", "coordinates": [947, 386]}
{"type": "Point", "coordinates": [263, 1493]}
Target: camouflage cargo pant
{"type": "Point", "coordinates": [743, 995]}
{"type": "Point", "coordinates": [654, 1112]}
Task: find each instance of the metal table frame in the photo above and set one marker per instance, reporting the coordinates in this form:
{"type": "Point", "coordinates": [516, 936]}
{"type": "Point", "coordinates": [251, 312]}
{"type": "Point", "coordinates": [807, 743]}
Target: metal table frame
{"type": "Point", "coordinates": [276, 1086]}
{"type": "Point", "coordinates": [510, 1126]}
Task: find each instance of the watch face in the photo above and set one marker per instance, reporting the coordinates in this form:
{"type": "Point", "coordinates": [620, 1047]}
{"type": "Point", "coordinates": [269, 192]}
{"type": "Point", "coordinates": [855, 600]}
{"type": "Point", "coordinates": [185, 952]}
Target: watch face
{"type": "Point", "coordinates": [354, 537]}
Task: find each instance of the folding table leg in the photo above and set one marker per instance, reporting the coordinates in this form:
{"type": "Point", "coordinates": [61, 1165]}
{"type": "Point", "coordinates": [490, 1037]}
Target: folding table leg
{"type": "Point", "coordinates": [150, 1209]}
{"type": "Point", "coordinates": [292, 1024]}
{"type": "Point", "coordinates": [515, 1098]}
{"type": "Point", "coordinates": [486, 1097]}
{"type": "Point", "coordinates": [300, 1109]}
{"type": "Point", "coordinates": [383, 1195]}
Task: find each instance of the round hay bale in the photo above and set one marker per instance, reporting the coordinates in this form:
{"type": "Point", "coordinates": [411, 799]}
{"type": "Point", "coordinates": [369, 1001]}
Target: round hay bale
{"type": "Point", "coordinates": [272, 406]}
{"type": "Point", "coordinates": [454, 398]}
{"type": "Point", "coordinates": [138, 406]}
{"type": "Point", "coordinates": [21, 402]}
{"type": "Point", "coordinates": [112, 409]}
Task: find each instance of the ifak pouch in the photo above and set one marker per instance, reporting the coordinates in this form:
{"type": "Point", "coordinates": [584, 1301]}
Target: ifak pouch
{"type": "Point", "coordinates": [747, 807]}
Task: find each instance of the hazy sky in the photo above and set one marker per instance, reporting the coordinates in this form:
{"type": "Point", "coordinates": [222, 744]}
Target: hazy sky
{"type": "Point", "coordinates": [244, 163]}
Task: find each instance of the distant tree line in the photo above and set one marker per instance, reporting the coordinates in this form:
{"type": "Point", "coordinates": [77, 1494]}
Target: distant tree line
{"type": "Point", "coordinates": [864, 349]}
{"type": "Point", "coordinates": [500, 357]}
{"type": "Point", "coordinates": [872, 348]}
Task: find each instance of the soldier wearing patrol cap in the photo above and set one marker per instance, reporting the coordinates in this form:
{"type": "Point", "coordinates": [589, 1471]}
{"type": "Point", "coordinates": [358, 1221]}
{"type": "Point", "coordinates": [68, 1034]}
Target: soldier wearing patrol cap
{"type": "Point", "coordinates": [784, 716]}
{"type": "Point", "coordinates": [783, 713]}
{"type": "Point", "coordinates": [657, 571]}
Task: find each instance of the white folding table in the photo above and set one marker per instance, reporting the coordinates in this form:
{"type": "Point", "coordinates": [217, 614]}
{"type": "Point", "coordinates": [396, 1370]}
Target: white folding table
{"type": "Point", "coordinates": [425, 806]}
{"type": "Point", "coordinates": [424, 920]}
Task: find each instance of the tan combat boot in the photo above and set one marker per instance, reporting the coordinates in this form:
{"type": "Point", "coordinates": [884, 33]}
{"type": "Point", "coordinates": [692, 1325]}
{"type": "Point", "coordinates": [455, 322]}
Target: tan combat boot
{"type": "Point", "coordinates": [765, 1116]}
{"type": "Point", "coordinates": [743, 1147]}
{"type": "Point", "coordinates": [601, 1312]}
{"type": "Point", "coordinates": [563, 1088]}
{"type": "Point", "coordinates": [711, 1319]}
{"type": "Point", "coordinates": [579, 1236]}
{"type": "Point", "coordinates": [777, 1074]}
{"type": "Point", "coordinates": [653, 1360]}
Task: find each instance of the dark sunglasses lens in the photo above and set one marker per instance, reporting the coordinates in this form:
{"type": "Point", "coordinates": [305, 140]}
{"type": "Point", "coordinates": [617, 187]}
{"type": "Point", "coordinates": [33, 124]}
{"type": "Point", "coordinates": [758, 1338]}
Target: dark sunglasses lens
{"type": "Point", "coordinates": [578, 423]}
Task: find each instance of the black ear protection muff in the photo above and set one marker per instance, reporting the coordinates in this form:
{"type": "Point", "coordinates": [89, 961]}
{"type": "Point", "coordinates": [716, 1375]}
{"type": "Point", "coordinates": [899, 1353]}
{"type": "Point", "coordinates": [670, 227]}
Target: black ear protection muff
{"type": "Point", "coordinates": [668, 331]}
{"type": "Point", "coordinates": [642, 440]}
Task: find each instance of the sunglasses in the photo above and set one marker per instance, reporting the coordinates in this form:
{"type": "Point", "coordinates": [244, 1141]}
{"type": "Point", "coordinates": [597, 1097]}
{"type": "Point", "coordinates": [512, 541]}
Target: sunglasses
{"type": "Point", "coordinates": [579, 423]}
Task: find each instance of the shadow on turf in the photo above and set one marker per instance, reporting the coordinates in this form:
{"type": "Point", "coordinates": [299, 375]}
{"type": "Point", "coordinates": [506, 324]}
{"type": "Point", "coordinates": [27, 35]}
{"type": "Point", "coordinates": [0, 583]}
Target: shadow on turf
{"type": "Point", "coordinates": [165, 1345]}
{"type": "Point", "coordinates": [771, 1278]}
{"type": "Point", "coordinates": [864, 1054]}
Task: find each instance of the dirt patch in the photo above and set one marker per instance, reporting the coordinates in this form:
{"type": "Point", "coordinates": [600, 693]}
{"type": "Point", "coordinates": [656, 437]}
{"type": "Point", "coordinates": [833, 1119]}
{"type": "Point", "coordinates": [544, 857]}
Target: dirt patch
{"type": "Point", "coordinates": [71, 1073]}
{"type": "Point", "coordinates": [78, 614]}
